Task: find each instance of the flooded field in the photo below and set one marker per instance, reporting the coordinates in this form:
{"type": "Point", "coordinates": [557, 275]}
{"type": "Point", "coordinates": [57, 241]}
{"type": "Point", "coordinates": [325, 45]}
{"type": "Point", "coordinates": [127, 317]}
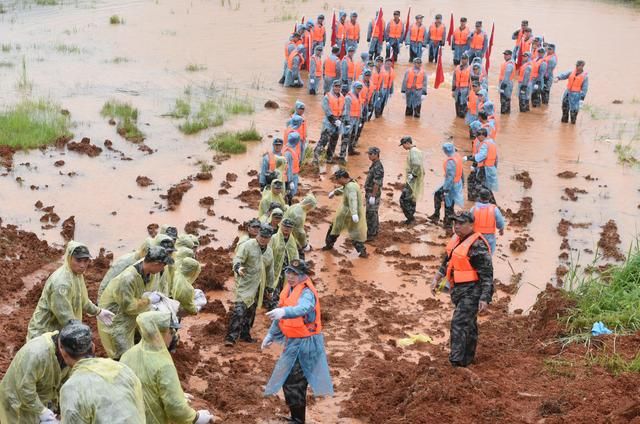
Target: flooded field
{"type": "Point", "coordinates": [163, 51]}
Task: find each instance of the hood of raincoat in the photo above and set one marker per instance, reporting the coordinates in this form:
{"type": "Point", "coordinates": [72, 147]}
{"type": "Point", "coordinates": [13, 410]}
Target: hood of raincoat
{"type": "Point", "coordinates": [187, 240]}
{"type": "Point", "coordinates": [151, 325]}
{"type": "Point", "coordinates": [190, 268]}
{"type": "Point", "coordinates": [309, 199]}
{"type": "Point", "coordinates": [183, 253]}
{"type": "Point", "coordinates": [159, 238]}
{"type": "Point", "coordinates": [71, 246]}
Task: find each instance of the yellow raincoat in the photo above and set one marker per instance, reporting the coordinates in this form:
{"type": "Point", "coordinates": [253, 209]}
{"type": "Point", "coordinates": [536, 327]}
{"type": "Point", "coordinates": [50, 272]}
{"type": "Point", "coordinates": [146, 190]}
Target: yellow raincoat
{"type": "Point", "coordinates": [258, 267]}
{"type": "Point", "coordinates": [63, 298]}
{"type": "Point", "coordinates": [164, 400]}
{"type": "Point", "coordinates": [298, 215]}
{"type": "Point", "coordinates": [122, 263]}
{"type": "Point", "coordinates": [415, 167]}
{"type": "Point", "coordinates": [101, 391]}
{"type": "Point", "coordinates": [268, 197]}
{"type": "Point", "coordinates": [282, 249]}
{"type": "Point", "coordinates": [352, 204]}
{"type": "Point", "coordinates": [162, 281]}
{"type": "Point", "coordinates": [187, 240]}
{"type": "Point", "coordinates": [182, 289]}
{"type": "Point", "coordinates": [31, 382]}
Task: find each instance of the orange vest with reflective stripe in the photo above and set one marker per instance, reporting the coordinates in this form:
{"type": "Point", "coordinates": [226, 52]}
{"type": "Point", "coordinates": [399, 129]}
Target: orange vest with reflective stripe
{"type": "Point", "coordinates": [318, 62]}
{"type": "Point", "coordinates": [292, 56]}
{"type": "Point", "coordinates": [459, 269]}
{"type": "Point", "coordinates": [472, 102]}
{"type": "Point", "coordinates": [352, 31]}
{"type": "Point", "coordinates": [330, 66]}
{"type": "Point", "coordinates": [375, 32]}
{"type": "Point", "coordinates": [436, 33]}
{"type": "Point", "coordinates": [492, 154]}
{"type": "Point", "coordinates": [458, 161]}
{"type": "Point", "coordinates": [535, 67]}
{"type": "Point", "coordinates": [295, 156]}
{"type": "Point", "coordinates": [355, 105]}
{"type": "Point", "coordinates": [574, 82]}
{"type": "Point", "coordinates": [484, 220]}
{"type": "Point", "coordinates": [376, 78]}
{"type": "Point", "coordinates": [417, 33]}
{"type": "Point", "coordinates": [336, 104]}
{"type": "Point", "coordinates": [414, 79]}
{"type": "Point", "coordinates": [395, 29]}
{"type": "Point", "coordinates": [503, 70]}
{"type": "Point", "coordinates": [477, 41]}
{"type": "Point", "coordinates": [523, 68]}
{"type": "Point", "coordinates": [387, 77]}
{"type": "Point", "coordinates": [296, 328]}
{"type": "Point", "coordinates": [460, 36]}
{"type": "Point", "coordinates": [317, 33]}
{"type": "Point", "coordinates": [462, 76]}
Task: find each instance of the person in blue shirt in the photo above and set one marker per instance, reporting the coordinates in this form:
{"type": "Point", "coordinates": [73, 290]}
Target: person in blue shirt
{"type": "Point", "coordinates": [487, 218]}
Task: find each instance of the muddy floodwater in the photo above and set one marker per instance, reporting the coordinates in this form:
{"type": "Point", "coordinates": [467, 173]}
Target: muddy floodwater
{"type": "Point", "coordinates": [74, 56]}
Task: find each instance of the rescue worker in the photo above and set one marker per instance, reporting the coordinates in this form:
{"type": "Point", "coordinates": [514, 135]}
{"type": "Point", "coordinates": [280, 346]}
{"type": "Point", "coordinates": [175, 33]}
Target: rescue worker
{"type": "Point", "coordinates": [518, 35]}
{"type": "Point", "coordinates": [340, 34]}
{"type": "Point", "coordinates": [460, 85]}
{"type": "Point", "coordinates": [538, 71]}
{"type": "Point", "coordinates": [271, 195]}
{"type": "Point", "coordinates": [318, 33]}
{"type": "Point", "coordinates": [285, 250]}
{"type": "Point", "coordinates": [360, 67]}
{"type": "Point", "coordinates": [460, 43]}
{"type": "Point", "coordinates": [162, 281]}
{"type": "Point", "coordinates": [352, 31]}
{"type": "Point", "coordinates": [414, 87]}
{"type": "Point", "coordinates": [473, 104]}
{"type": "Point", "coordinates": [525, 43]}
{"type": "Point", "coordinates": [577, 87]}
{"type": "Point", "coordinates": [552, 61]}
{"type": "Point", "coordinates": [151, 362]}
{"type": "Point", "coordinates": [298, 112]}
{"type": "Point", "coordinates": [348, 71]}
{"type": "Point", "coordinates": [388, 77]}
{"type": "Point", "coordinates": [121, 263]}
{"type": "Point", "coordinates": [393, 35]}
{"type": "Point", "coordinates": [298, 214]}
{"type": "Point", "coordinates": [182, 289]}
{"type": "Point", "coordinates": [290, 46]}
{"type": "Point", "coordinates": [333, 108]}
{"type": "Point", "coordinates": [478, 74]}
{"type": "Point", "coordinates": [169, 230]}
{"type": "Point", "coordinates": [268, 162]}
{"type": "Point", "coordinates": [377, 84]}
{"type": "Point", "coordinates": [331, 69]}
{"type": "Point", "coordinates": [352, 113]}
{"type": "Point", "coordinates": [64, 296]}
{"type": "Point", "coordinates": [366, 101]}
{"type": "Point", "coordinates": [524, 83]}
{"type": "Point", "coordinates": [253, 271]}
{"type": "Point", "coordinates": [505, 81]}
{"type": "Point", "coordinates": [297, 325]}
{"type": "Point", "coordinates": [450, 192]}
{"type": "Point", "coordinates": [487, 218]}
{"type": "Point", "coordinates": [274, 219]}
{"type": "Point", "coordinates": [373, 191]}
{"type": "Point", "coordinates": [414, 173]}
{"type": "Point", "coordinates": [468, 269]}
{"type": "Point", "coordinates": [127, 296]}
{"type": "Point", "coordinates": [315, 70]}
{"type": "Point", "coordinates": [485, 158]}
{"type": "Point", "coordinates": [375, 36]}
{"type": "Point", "coordinates": [436, 37]}
{"type": "Point", "coordinates": [490, 112]}
{"type": "Point", "coordinates": [350, 215]}
{"type": "Point", "coordinates": [98, 389]}
{"type": "Point", "coordinates": [478, 43]}
{"type": "Point", "coordinates": [416, 39]}
{"type": "Point", "coordinates": [294, 64]}
{"type": "Point", "coordinates": [292, 155]}
{"type": "Point", "coordinates": [253, 228]}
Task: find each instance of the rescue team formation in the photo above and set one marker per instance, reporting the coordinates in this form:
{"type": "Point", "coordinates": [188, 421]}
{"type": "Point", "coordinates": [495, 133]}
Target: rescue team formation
{"type": "Point", "coordinates": [55, 376]}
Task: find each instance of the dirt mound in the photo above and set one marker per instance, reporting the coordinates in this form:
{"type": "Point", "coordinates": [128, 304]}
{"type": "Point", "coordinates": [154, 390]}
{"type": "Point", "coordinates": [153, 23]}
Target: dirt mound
{"type": "Point", "coordinates": [193, 227]}
{"type": "Point", "coordinates": [524, 178]}
{"type": "Point", "coordinates": [523, 216]}
{"type": "Point", "coordinates": [206, 201]}
{"type": "Point", "coordinates": [231, 177]}
{"type": "Point", "coordinates": [216, 268]}
{"type": "Point", "coordinates": [85, 147]}
{"type": "Point", "coordinates": [143, 181]}
{"type": "Point", "coordinates": [203, 176]}
{"type": "Point", "coordinates": [175, 194]}
{"type": "Point", "coordinates": [68, 228]}
{"type": "Point", "coordinates": [610, 240]}
{"type": "Point", "coordinates": [58, 163]}
{"type": "Point", "coordinates": [251, 197]}
{"type": "Point", "coordinates": [571, 193]}
{"type": "Point", "coordinates": [6, 156]}
{"type": "Point", "coordinates": [270, 104]}
{"type": "Point", "coordinates": [567, 174]}
{"type": "Point", "coordinates": [518, 244]}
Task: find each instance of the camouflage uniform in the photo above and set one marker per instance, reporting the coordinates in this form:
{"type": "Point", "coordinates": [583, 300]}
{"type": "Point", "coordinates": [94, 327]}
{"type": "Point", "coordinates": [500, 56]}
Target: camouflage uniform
{"type": "Point", "coordinates": [375, 176]}
{"type": "Point", "coordinates": [465, 297]}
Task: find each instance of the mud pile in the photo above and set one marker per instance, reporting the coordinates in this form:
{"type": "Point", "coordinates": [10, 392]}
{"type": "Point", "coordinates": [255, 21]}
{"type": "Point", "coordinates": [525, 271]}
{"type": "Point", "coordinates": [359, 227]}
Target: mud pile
{"type": "Point", "coordinates": [175, 194]}
{"type": "Point", "coordinates": [523, 216]}
{"type": "Point", "coordinates": [524, 178]}
{"type": "Point", "coordinates": [610, 240]}
{"type": "Point", "coordinates": [216, 268]}
{"type": "Point", "coordinates": [84, 147]}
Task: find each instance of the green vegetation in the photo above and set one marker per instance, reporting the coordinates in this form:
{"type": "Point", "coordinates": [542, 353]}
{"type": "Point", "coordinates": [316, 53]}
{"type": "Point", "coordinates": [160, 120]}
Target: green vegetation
{"type": "Point", "coordinates": [6, 48]}
{"type": "Point", "coordinates": [626, 154]}
{"type": "Point", "coordinates": [615, 363]}
{"type": "Point", "coordinates": [46, 2]}
{"type": "Point", "coordinates": [285, 16]}
{"type": "Point", "coordinates": [127, 119]}
{"type": "Point", "coordinates": [6, 64]}
{"type": "Point", "coordinates": [116, 20]}
{"type": "Point", "coordinates": [559, 367]}
{"type": "Point", "coordinates": [234, 143]}
{"type": "Point", "coordinates": [194, 67]}
{"type": "Point", "coordinates": [24, 84]}
{"type": "Point", "coordinates": [119, 59]}
{"type": "Point", "coordinates": [32, 124]}
{"type": "Point", "coordinates": [67, 48]}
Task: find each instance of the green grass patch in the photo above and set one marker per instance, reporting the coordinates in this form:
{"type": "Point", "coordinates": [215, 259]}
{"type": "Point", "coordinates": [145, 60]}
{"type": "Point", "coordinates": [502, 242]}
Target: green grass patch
{"type": "Point", "coordinates": [559, 367]}
{"type": "Point", "coordinates": [596, 113]}
{"type": "Point", "coordinates": [126, 117]}
{"type": "Point", "coordinates": [234, 142]}
{"type": "Point", "coordinates": [182, 108]}
{"type": "Point", "coordinates": [46, 2]}
{"type": "Point", "coordinates": [6, 64]}
{"type": "Point", "coordinates": [615, 363]}
{"type": "Point", "coordinates": [119, 59]}
{"type": "Point", "coordinates": [6, 48]}
{"type": "Point", "coordinates": [67, 48]}
{"type": "Point", "coordinates": [626, 154]}
{"type": "Point", "coordinates": [116, 20]}
{"type": "Point", "coordinates": [238, 105]}
{"type": "Point", "coordinates": [195, 67]}
{"type": "Point", "coordinates": [32, 124]}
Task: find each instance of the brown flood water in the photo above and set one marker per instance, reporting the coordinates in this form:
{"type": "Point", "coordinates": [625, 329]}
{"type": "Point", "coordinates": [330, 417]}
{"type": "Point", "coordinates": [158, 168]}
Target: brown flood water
{"type": "Point", "coordinates": [241, 46]}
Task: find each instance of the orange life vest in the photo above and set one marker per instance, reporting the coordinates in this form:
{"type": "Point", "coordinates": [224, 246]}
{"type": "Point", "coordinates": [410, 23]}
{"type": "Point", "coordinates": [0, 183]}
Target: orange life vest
{"type": "Point", "coordinates": [292, 56]}
{"type": "Point", "coordinates": [548, 57]}
{"type": "Point", "coordinates": [574, 83]}
{"type": "Point", "coordinates": [477, 40]}
{"type": "Point", "coordinates": [395, 29]}
{"type": "Point", "coordinates": [296, 328]}
{"type": "Point", "coordinates": [295, 156]}
{"type": "Point", "coordinates": [336, 104]}
{"type": "Point", "coordinates": [387, 77]}
{"type": "Point", "coordinates": [302, 130]}
{"type": "Point", "coordinates": [475, 148]}
{"type": "Point", "coordinates": [416, 33]}
{"type": "Point", "coordinates": [462, 76]}
{"type": "Point", "coordinates": [340, 31]}
{"type": "Point", "coordinates": [375, 32]}
{"type": "Point", "coordinates": [520, 35]}
{"type": "Point", "coordinates": [330, 66]}
{"type": "Point", "coordinates": [523, 68]}
{"type": "Point", "coordinates": [352, 31]}
{"type": "Point", "coordinates": [318, 61]}
{"type": "Point", "coordinates": [415, 79]}
{"type": "Point", "coordinates": [436, 33]}
{"type": "Point", "coordinates": [351, 67]}
{"type": "Point", "coordinates": [472, 102]}
{"type": "Point", "coordinates": [272, 160]}
{"type": "Point", "coordinates": [366, 93]}
{"type": "Point", "coordinates": [356, 108]}
{"type": "Point", "coordinates": [460, 36]}
{"type": "Point", "coordinates": [494, 130]}
{"type": "Point", "coordinates": [459, 269]}
{"type": "Point", "coordinates": [358, 68]}
{"type": "Point", "coordinates": [286, 48]}
{"type": "Point", "coordinates": [458, 161]}
{"type": "Point", "coordinates": [492, 154]}
{"type": "Point", "coordinates": [503, 70]}
{"type": "Point", "coordinates": [317, 33]}
{"type": "Point", "coordinates": [525, 45]}
{"type": "Point", "coordinates": [535, 67]}
{"type": "Point", "coordinates": [376, 78]}
{"type": "Point", "coordinates": [484, 220]}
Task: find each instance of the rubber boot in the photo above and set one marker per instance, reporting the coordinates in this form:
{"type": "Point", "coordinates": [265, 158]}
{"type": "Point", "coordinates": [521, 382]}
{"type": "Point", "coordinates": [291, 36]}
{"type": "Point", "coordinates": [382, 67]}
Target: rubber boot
{"type": "Point", "coordinates": [448, 217]}
{"type": "Point", "coordinates": [565, 116]}
{"type": "Point", "coordinates": [508, 108]}
{"type": "Point", "coordinates": [408, 111]}
{"type": "Point", "coordinates": [416, 111]}
{"type": "Point", "coordinates": [281, 80]}
{"type": "Point", "coordinates": [329, 239]}
{"type": "Point", "coordinates": [361, 249]}
{"type": "Point", "coordinates": [298, 414]}
{"type": "Point", "coordinates": [574, 115]}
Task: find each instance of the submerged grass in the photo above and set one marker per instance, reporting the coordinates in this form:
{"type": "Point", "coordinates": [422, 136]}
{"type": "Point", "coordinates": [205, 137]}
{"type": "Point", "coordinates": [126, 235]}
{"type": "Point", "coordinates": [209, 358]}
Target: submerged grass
{"type": "Point", "coordinates": [626, 154]}
{"type": "Point", "coordinates": [116, 20]}
{"type": "Point", "coordinates": [195, 67]}
{"type": "Point", "coordinates": [234, 142]}
{"type": "Point", "coordinates": [67, 48]}
{"type": "Point", "coordinates": [32, 124]}
{"type": "Point", "coordinates": [127, 119]}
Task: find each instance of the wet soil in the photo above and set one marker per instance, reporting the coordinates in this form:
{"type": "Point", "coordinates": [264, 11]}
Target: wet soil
{"type": "Point", "coordinates": [518, 244]}
{"type": "Point", "coordinates": [609, 242]}
{"type": "Point", "coordinates": [175, 194]}
{"type": "Point", "coordinates": [143, 181]}
{"type": "Point", "coordinates": [567, 174]}
{"type": "Point", "coordinates": [68, 228]}
{"type": "Point", "coordinates": [523, 216]}
{"type": "Point", "coordinates": [572, 193]}
{"type": "Point", "coordinates": [84, 147]}
{"type": "Point", "coordinates": [524, 178]}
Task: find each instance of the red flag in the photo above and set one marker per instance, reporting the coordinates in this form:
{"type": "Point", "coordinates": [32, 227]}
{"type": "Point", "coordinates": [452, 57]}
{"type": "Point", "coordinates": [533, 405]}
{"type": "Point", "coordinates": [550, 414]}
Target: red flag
{"type": "Point", "coordinates": [302, 20]}
{"type": "Point", "coordinates": [309, 45]}
{"type": "Point", "coordinates": [488, 54]}
{"type": "Point", "coordinates": [408, 20]}
{"type": "Point", "coordinates": [450, 33]}
{"type": "Point", "coordinates": [380, 26]}
{"type": "Point", "coordinates": [439, 71]}
{"type": "Point", "coordinates": [334, 29]}
{"type": "Point", "coordinates": [520, 55]}
{"type": "Point", "coordinates": [343, 49]}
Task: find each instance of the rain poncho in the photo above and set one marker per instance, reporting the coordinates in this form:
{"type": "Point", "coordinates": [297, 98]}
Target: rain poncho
{"type": "Point", "coordinates": [282, 249]}
{"type": "Point", "coordinates": [298, 215]}
{"type": "Point", "coordinates": [183, 253]}
{"type": "Point", "coordinates": [122, 263]}
{"type": "Point", "coordinates": [101, 391]}
{"type": "Point", "coordinates": [164, 400]}
{"type": "Point", "coordinates": [163, 280]}
{"type": "Point", "coordinates": [187, 240]}
{"type": "Point", "coordinates": [268, 197]}
{"type": "Point", "coordinates": [415, 167]}
{"type": "Point", "coordinates": [31, 382]}
{"type": "Point", "coordinates": [490, 172]}
{"type": "Point", "coordinates": [64, 297]}
{"type": "Point", "coordinates": [182, 289]}
{"type": "Point", "coordinates": [352, 204]}
{"type": "Point", "coordinates": [123, 297]}
{"type": "Point", "coordinates": [258, 266]}
{"type": "Point", "coordinates": [454, 194]}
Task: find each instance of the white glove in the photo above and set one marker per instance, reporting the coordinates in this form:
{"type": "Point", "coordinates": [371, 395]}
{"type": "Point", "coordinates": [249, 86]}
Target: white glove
{"type": "Point", "coordinates": [199, 298]}
{"type": "Point", "coordinates": [266, 342]}
{"type": "Point", "coordinates": [188, 396]}
{"type": "Point", "coordinates": [106, 317]}
{"type": "Point", "coordinates": [331, 194]}
{"type": "Point", "coordinates": [423, 97]}
{"type": "Point", "coordinates": [241, 271]}
{"type": "Point", "coordinates": [204, 417]}
{"type": "Point", "coordinates": [581, 103]}
{"type": "Point", "coordinates": [409, 177]}
{"type": "Point", "coordinates": [464, 158]}
{"type": "Point", "coordinates": [307, 248]}
{"type": "Point", "coordinates": [501, 91]}
{"type": "Point", "coordinates": [275, 314]}
{"type": "Point", "coordinates": [372, 200]}
{"type": "Point", "coordinates": [355, 218]}
{"type": "Point", "coordinates": [47, 416]}
{"type": "Point", "coordinates": [535, 86]}
{"type": "Point", "coordinates": [153, 297]}
{"type": "Point", "coordinates": [337, 122]}
{"type": "Point", "coordinates": [312, 81]}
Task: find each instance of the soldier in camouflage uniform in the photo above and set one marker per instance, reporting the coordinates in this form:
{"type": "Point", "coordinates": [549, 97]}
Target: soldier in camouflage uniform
{"type": "Point", "coordinates": [414, 172]}
{"type": "Point", "coordinates": [373, 191]}
{"type": "Point", "coordinates": [471, 291]}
